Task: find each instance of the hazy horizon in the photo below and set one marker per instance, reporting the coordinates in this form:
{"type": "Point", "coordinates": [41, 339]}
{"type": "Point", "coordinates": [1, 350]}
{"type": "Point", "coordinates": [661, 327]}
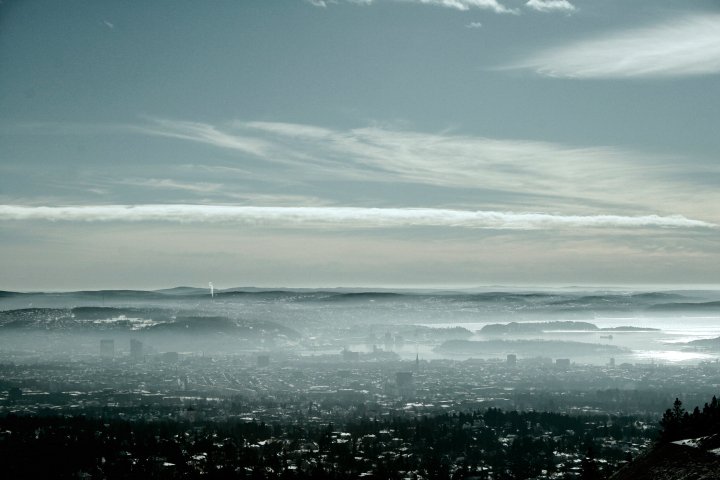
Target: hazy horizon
{"type": "Point", "coordinates": [409, 288]}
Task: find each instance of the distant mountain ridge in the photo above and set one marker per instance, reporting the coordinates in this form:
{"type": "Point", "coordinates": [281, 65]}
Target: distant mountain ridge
{"type": "Point", "coordinates": [513, 302]}
{"type": "Point", "coordinates": [687, 306]}
{"type": "Point", "coordinates": [138, 320]}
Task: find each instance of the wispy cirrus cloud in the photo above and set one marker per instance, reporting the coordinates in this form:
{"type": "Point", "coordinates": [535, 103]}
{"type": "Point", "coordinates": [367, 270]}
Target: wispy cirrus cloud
{"type": "Point", "coordinates": [441, 159]}
{"type": "Point", "coordinates": [341, 216]}
{"type": "Point", "coordinates": [551, 6]}
{"type": "Point", "coordinates": [492, 5]}
{"type": "Point", "coordinates": [679, 47]}
{"type": "Point", "coordinates": [201, 132]}
{"type": "Point", "coordinates": [555, 175]}
{"type": "Point", "coordinates": [504, 174]}
{"type": "Point", "coordinates": [170, 184]}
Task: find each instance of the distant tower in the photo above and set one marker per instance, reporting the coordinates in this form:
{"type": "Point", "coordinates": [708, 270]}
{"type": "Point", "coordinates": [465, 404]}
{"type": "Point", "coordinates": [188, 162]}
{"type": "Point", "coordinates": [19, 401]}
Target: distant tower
{"type": "Point", "coordinates": [417, 363]}
{"type": "Point", "coordinates": [612, 362]}
{"type": "Point", "coordinates": [107, 349]}
{"type": "Point", "coordinates": [511, 360]}
{"type": "Point", "coordinates": [212, 290]}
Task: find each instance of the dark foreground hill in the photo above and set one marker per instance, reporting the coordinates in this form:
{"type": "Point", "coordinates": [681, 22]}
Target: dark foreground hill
{"type": "Point", "coordinates": [668, 461]}
{"type": "Point", "coordinates": [688, 449]}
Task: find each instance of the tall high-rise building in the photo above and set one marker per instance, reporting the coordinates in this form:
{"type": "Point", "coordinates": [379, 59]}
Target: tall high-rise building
{"type": "Point", "coordinates": [107, 349]}
{"type": "Point", "coordinates": [388, 341]}
{"type": "Point", "coordinates": [563, 363]}
{"type": "Point", "coordinates": [263, 360]}
{"type": "Point", "coordinates": [350, 356]}
{"type": "Point", "coordinates": [171, 357]}
{"type": "Point", "coordinates": [404, 384]}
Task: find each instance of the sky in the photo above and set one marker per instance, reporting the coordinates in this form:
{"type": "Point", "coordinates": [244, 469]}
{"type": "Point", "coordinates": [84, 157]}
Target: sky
{"type": "Point", "coordinates": [374, 143]}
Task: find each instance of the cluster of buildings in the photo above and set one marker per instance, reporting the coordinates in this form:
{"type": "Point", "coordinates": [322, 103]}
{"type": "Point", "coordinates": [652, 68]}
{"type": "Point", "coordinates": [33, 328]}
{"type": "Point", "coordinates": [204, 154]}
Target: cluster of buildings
{"type": "Point", "coordinates": [135, 382]}
{"type": "Point", "coordinates": [139, 375]}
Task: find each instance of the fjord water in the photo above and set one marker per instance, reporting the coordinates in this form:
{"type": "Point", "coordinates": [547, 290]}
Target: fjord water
{"type": "Point", "coordinates": [668, 343]}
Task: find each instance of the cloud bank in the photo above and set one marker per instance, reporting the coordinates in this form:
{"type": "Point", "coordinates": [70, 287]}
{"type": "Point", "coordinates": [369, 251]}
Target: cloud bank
{"type": "Point", "coordinates": [492, 5]}
{"type": "Point", "coordinates": [340, 217]}
{"type": "Point", "coordinates": [551, 6]}
{"type": "Point", "coordinates": [682, 47]}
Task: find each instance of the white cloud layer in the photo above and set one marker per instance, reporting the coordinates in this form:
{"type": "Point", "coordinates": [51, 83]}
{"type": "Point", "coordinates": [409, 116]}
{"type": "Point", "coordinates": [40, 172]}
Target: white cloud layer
{"type": "Point", "coordinates": [550, 6]}
{"type": "Point", "coordinates": [492, 5]}
{"type": "Point", "coordinates": [341, 217]}
{"type": "Point", "coordinates": [467, 4]}
{"type": "Point", "coordinates": [686, 46]}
